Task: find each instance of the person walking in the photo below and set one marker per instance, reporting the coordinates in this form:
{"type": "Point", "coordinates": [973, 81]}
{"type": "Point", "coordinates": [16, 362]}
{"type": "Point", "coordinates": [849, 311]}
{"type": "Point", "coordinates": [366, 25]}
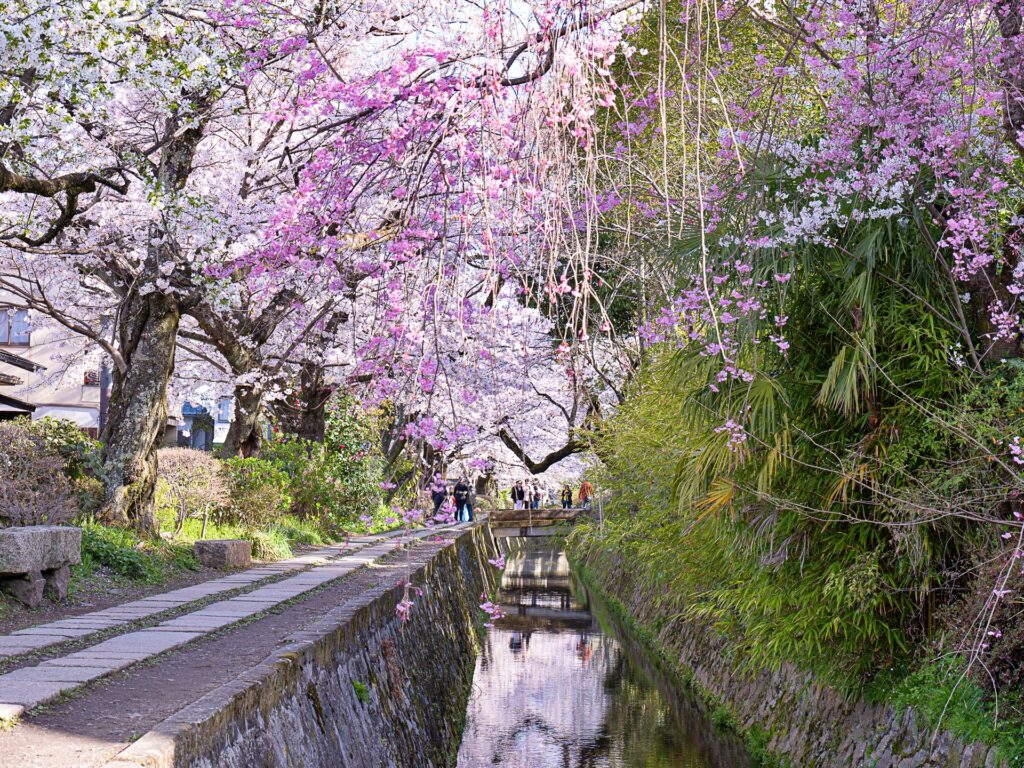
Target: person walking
{"type": "Point", "coordinates": [535, 497]}
{"type": "Point", "coordinates": [518, 495]}
{"type": "Point", "coordinates": [586, 491]}
{"type": "Point", "coordinates": [566, 497]}
{"type": "Point", "coordinates": [463, 502]}
{"type": "Point", "coordinates": [439, 494]}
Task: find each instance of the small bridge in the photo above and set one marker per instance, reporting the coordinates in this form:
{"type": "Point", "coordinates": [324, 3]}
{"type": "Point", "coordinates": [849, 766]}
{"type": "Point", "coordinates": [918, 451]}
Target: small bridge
{"type": "Point", "coordinates": [530, 523]}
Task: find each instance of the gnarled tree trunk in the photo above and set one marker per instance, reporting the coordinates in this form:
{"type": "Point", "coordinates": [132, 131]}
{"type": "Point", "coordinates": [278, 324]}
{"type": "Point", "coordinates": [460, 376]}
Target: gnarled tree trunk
{"type": "Point", "coordinates": [147, 337]}
{"type": "Point", "coordinates": [137, 414]}
{"type": "Point", "coordinates": [304, 413]}
{"type": "Point", "coordinates": [245, 435]}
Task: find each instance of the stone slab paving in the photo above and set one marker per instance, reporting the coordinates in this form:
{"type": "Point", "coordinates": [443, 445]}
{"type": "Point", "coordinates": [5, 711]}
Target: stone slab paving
{"type": "Point", "coordinates": [78, 627]}
{"type": "Point", "coordinates": [29, 687]}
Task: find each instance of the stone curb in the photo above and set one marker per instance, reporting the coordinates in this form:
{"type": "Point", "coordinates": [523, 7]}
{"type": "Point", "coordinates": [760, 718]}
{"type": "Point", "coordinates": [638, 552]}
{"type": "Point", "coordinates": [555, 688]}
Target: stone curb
{"type": "Point", "coordinates": [161, 747]}
{"type": "Point", "coordinates": [30, 687]}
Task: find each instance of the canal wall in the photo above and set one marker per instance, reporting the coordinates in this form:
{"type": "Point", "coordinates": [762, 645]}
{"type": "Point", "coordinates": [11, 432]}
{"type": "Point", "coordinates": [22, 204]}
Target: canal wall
{"type": "Point", "coordinates": [359, 689]}
{"type": "Point", "coordinates": [787, 713]}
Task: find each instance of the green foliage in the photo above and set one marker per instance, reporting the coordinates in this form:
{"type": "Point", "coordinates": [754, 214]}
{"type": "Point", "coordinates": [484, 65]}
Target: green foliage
{"type": "Point", "coordinates": [940, 692]}
{"type": "Point", "coordinates": [120, 550]}
{"type": "Point", "coordinates": [337, 480]}
{"type": "Point", "coordinates": [259, 491]}
{"type": "Point", "coordinates": [807, 542]}
{"type": "Point", "coordinates": [361, 691]}
{"type": "Point", "coordinates": [88, 495]}
{"type": "Point", "coordinates": [81, 454]}
{"type": "Point", "coordinates": [301, 532]}
{"type": "Point", "coordinates": [268, 544]}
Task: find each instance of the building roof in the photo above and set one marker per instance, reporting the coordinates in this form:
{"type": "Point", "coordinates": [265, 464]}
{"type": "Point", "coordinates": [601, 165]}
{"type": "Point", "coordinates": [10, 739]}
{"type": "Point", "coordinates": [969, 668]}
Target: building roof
{"type": "Point", "coordinates": [19, 362]}
{"type": "Point", "coordinates": [8, 403]}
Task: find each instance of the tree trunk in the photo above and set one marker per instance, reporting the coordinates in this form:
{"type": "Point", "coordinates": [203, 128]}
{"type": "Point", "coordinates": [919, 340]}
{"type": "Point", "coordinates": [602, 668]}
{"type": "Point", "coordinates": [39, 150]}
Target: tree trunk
{"type": "Point", "coordinates": [304, 413]}
{"type": "Point", "coordinates": [137, 415]}
{"type": "Point", "coordinates": [245, 435]}
{"type": "Point", "coordinates": [147, 336]}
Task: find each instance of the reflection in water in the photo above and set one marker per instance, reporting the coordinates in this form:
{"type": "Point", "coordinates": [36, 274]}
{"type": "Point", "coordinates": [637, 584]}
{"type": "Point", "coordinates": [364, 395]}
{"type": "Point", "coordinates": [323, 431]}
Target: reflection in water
{"type": "Point", "coordinates": [552, 690]}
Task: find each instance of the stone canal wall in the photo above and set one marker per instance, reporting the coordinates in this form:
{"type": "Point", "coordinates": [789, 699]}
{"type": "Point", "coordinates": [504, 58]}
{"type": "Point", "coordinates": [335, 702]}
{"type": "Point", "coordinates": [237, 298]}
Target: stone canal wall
{"type": "Point", "coordinates": [357, 690]}
{"type": "Point", "coordinates": [808, 724]}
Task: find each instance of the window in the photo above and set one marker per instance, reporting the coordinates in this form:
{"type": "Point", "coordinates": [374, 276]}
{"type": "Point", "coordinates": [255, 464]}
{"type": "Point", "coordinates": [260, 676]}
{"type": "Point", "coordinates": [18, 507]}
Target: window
{"type": "Point", "coordinates": [14, 329]}
{"type": "Point", "coordinates": [224, 411]}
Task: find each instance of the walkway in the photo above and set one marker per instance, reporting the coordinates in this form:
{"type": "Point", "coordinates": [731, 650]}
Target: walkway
{"type": "Point", "coordinates": [188, 616]}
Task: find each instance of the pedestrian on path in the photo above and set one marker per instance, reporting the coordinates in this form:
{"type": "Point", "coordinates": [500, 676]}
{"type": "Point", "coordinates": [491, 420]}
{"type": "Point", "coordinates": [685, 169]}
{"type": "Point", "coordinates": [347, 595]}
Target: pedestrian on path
{"type": "Point", "coordinates": [438, 493]}
{"type": "Point", "coordinates": [535, 497]}
{"type": "Point", "coordinates": [586, 491]}
{"type": "Point", "coordinates": [463, 502]}
{"type": "Point", "coordinates": [566, 497]}
{"type": "Point", "coordinates": [519, 495]}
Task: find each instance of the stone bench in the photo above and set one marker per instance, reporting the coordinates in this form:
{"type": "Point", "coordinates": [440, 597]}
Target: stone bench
{"type": "Point", "coordinates": [37, 559]}
{"type": "Point", "coordinates": [225, 554]}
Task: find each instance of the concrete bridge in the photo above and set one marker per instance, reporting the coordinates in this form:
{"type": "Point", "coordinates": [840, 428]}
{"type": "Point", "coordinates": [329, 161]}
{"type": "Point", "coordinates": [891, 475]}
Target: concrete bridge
{"type": "Point", "coordinates": [530, 523]}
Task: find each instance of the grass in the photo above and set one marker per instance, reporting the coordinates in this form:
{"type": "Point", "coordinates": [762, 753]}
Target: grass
{"type": "Point", "coordinates": [117, 555]}
{"type": "Point", "coordinates": [121, 551]}
{"type": "Point", "coordinates": [930, 687]}
{"type": "Point", "coordinates": [362, 692]}
{"type": "Point", "coordinates": [275, 542]}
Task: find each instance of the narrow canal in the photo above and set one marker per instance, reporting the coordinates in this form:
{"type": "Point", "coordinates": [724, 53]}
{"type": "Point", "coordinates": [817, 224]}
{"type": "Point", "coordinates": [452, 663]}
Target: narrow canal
{"type": "Point", "coordinates": [554, 688]}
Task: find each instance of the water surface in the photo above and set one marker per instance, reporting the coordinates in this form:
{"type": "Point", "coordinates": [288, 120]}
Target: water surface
{"type": "Point", "coordinates": [552, 689]}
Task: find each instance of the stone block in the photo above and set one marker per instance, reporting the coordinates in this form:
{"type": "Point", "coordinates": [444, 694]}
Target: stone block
{"type": "Point", "coordinates": [31, 694]}
{"type": "Point", "coordinates": [27, 588]}
{"type": "Point", "coordinates": [224, 553]}
{"type": "Point", "coordinates": [57, 582]}
{"type": "Point", "coordinates": [35, 548]}
{"type": "Point", "coordinates": [34, 559]}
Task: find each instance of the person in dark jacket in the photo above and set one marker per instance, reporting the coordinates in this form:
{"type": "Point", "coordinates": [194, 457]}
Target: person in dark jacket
{"type": "Point", "coordinates": [439, 494]}
{"type": "Point", "coordinates": [463, 501]}
{"type": "Point", "coordinates": [566, 497]}
{"type": "Point", "coordinates": [519, 495]}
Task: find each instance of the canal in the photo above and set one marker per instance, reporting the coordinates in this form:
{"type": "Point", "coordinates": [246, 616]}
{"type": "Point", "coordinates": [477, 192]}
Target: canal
{"type": "Point", "coordinates": [554, 687]}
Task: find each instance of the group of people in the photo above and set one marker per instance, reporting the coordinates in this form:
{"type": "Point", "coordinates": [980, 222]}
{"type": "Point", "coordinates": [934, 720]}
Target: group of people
{"type": "Point", "coordinates": [461, 498]}
{"type": "Point", "coordinates": [532, 495]}
{"type": "Point", "coordinates": [524, 496]}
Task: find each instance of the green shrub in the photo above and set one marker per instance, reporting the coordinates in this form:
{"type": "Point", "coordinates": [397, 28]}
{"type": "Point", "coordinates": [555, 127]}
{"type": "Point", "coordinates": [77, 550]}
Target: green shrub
{"type": "Point", "coordinates": [35, 488]}
{"type": "Point", "coordinates": [323, 483]}
{"type": "Point", "coordinates": [938, 691]}
{"type": "Point", "coordinates": [88, 495]}
{"type": "Point", "coordinates": [259, 492]}
{"type": "Point", "coordinates": [80, 453]}
{"type": "Point", "coordinates": [120, 550]}
{"type": "Point", "coordinates": [193, 484]}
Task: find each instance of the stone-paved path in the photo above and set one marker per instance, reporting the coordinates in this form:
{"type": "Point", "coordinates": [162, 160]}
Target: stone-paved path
{"type": "Point", "coordinates": [81, 627]}
{"type": "Point", "coordinates": [104, 721]}
{"type": "Point", "coordinates": [31, 686]}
